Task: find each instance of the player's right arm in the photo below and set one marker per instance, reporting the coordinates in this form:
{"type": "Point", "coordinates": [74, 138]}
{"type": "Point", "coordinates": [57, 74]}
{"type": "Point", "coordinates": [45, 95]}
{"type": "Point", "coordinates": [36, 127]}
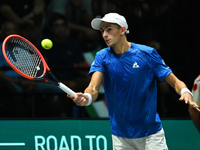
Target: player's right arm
{"type": "Point", "coordinates": [82, 99]}
{"type": "Point", "coordinates": [94, 85]}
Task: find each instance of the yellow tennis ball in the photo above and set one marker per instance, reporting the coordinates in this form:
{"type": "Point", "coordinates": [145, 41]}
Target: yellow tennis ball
{"type": "Point", "coordinates": [47, 44]}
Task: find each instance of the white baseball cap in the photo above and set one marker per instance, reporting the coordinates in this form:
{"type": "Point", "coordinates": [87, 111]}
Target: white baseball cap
{"type": "Point", "coordinates": [110, 18]}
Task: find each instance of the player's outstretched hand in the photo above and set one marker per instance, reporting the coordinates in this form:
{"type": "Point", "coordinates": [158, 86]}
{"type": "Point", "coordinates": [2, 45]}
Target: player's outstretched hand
{"type": "Point", "coordinates": [187, 97]}
{"type": "Point", "coordinates": [80, 99]}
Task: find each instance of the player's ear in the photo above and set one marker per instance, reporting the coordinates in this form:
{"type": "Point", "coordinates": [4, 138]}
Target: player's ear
{"type": "Point", "coordinates": [123, 29]}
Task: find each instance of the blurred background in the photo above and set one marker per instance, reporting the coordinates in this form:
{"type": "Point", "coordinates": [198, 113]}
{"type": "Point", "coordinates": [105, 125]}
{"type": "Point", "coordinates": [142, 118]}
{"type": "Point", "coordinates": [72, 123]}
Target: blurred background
{"type": "Point", "coordinates": [170, 26]}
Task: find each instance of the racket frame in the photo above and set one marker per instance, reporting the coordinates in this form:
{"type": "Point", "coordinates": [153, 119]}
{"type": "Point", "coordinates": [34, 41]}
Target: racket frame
{"type": "Point", "coordinates": [45, 67]}
{"type": "Point", "coordinates": [37, 51]}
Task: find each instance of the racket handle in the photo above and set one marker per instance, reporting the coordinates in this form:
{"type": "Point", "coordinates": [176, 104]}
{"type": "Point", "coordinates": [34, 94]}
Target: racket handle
{"type": "Point", "coordinates": [66, 89]}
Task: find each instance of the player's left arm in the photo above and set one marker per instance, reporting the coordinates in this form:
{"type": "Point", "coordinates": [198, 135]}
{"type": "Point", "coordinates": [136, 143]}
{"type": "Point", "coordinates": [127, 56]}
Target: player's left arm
{"type": "Point", "coordinates": [182, 90]}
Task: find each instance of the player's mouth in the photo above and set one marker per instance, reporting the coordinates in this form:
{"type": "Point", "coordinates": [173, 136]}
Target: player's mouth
{"type": "Point", "coordinates": [107, 41]}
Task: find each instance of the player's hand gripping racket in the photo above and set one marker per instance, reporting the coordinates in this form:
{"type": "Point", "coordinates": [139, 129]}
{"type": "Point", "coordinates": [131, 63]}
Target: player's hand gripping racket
{"type": "Point", "coordinates": [26, 60]}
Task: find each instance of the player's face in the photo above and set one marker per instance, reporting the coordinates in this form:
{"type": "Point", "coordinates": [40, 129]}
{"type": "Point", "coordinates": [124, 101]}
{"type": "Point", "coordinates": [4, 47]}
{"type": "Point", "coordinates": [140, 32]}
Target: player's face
{"type": "Point", "coordinates": [111, 33]}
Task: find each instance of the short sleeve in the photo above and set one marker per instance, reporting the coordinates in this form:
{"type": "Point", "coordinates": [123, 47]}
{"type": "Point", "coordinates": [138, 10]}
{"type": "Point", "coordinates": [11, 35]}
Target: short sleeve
{"type": "Point", "coordinates": [160, 69]}
{"type": "Point", "coordinates": [97, 65]}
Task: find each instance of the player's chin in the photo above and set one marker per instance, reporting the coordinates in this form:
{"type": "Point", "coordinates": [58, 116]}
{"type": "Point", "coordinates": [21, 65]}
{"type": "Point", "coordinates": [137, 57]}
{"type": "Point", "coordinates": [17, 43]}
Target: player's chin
{"type": "Point", "coordinates": [109, 44]}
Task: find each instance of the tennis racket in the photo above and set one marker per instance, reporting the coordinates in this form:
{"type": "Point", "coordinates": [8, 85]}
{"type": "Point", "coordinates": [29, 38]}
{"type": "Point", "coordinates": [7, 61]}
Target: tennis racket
{"type": "Point", "coordinates": [27, 61]}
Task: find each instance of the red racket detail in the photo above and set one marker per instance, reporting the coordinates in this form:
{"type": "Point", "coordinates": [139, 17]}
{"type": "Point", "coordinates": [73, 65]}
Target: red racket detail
{"type": "Point", "coordinates": [27, 60]}
{"type": "Point", "coordinates": [24, 57]}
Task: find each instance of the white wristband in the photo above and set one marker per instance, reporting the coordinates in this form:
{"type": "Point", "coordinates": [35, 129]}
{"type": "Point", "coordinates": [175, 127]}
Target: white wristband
{"type": "Point", "coordinates": [183, 90]}
{"type": "Point", "coordinates": [89, 99]}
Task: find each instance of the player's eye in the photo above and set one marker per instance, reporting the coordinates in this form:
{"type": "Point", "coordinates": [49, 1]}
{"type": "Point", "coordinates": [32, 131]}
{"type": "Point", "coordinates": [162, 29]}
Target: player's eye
{"type": "Point", "coordinates": [108, 29]}
{"type": "Point", "coordinates": [101, 30]}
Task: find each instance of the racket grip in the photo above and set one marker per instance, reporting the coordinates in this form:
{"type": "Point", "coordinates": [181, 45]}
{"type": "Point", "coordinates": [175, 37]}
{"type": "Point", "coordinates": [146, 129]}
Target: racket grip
{"type": "Point", "coordinates": [66, 89]}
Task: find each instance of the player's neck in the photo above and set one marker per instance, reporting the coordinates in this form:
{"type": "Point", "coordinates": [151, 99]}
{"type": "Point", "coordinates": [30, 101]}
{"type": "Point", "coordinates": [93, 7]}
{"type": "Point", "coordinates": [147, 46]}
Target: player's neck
{"type": "Point", "coordinates": [121, 47]}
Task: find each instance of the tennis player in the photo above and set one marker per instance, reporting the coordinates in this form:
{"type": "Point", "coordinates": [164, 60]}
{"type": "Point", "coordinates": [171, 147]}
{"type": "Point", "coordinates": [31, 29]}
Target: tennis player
{"type": "Point", "coordinates": [130, 74]}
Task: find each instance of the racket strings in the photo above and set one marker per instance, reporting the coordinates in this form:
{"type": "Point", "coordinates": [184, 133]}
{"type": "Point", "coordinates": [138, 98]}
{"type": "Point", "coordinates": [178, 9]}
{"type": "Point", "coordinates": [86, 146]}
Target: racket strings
{"type": "Point", "coordinates": [24, 57]}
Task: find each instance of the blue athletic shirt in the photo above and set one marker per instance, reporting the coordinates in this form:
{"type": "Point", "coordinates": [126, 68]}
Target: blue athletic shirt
{"type": "Point", "coordinates": [130, 82]}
